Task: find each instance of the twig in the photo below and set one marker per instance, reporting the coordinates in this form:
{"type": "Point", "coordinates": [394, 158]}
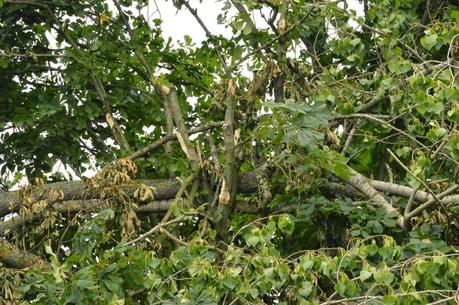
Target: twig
{"type": "Point", "coordinates": [180, 192]}
{"type": "Point", "coordinates": [436, 198]}
{"type": "Point", "coordinates": [272, 41]}
{"type": "Point", "coordinates": [144, 151]}
{"type": "Point", "coordinates": [194, 12]}
{"type": "Point", "coordinates": [410, 203]}
{"type": "Point", "coordinates": [350, 137]}
{"type": "Point", "coordinates": [154, 229]}
{"type": "Point", "coordinates": [377, 119]}
{"type": "Point", "coordinates": [427, 204]}
{"type": "Point", "coordinates": [177, 240]}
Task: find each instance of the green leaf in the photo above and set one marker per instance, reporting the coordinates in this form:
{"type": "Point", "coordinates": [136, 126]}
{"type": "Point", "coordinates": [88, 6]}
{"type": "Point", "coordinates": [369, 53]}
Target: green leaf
{"type": "Point", "coordinates": [247, 29]}
{"type": "Point", "coordinates": [285, 224]}
{"type": "Point", "coordinates": [399, 66]}
{"type": "Point", "coordinates": [355, 41]}
{"type": "Point", "coordinates": [364, 275]}
{"type": "Point", "coordinates": [305, 289]}
{"type": "Point", "coordinates": [383, 277]}
{"type": "Point", "coordinates": [113, 283]}
{"type": "Point", "coordinates": [436, 133]}
{"type": "Point", "coordinates": [254, 293]}
{"type": "Point", "coordinates": [238, 24]}
{"type": "Point", "coordinates": [429, 41]}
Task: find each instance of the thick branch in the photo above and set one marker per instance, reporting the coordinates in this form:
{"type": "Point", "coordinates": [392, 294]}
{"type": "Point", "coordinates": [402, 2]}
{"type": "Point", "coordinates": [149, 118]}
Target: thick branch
{"type": "Point", "coordinates": [405, 191]}
{"type": "Point", "coordinates": [228, 169]}
{"type": "Point", "coordinates": [363, 184]}
{"type": "Point", "coordinates": [12, 257]}
{"type": "Point", "coordinates": [73, 190]}
{"type": "Point", "coordinates": [74, 206]}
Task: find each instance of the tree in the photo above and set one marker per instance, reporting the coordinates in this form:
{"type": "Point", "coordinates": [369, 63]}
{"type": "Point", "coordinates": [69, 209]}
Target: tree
{"type": "Point", "coordinates": [310, 158]}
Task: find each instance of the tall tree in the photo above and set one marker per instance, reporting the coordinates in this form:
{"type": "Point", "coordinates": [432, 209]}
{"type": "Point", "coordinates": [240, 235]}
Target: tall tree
{"type": "Point", "coordinates": [310, 157]}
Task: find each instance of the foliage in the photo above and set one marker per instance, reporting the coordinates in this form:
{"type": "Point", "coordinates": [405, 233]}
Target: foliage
{"type": "Point", "coordinates": [308, 156]}
{"type": "Point", "coordinates": [375, 269]}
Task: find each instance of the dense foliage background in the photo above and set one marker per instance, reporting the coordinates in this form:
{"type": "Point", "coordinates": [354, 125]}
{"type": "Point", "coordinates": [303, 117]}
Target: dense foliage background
{"type": "Point", "coordinates": [310, 157]}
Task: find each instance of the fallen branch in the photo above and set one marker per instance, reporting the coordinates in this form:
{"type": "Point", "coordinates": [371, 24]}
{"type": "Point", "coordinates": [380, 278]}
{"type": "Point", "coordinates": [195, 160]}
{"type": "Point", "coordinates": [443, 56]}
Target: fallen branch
{"type": "Point", "coordinates": [73, 190]}
{"type": "Point", "coordinates": [74, 206]}
{"type": "Point", "coordinates": [363, 184]}
{"type": "Point", "coordinates": [12, 257]}
{"type": "Point", "coordinates": [405, 191]}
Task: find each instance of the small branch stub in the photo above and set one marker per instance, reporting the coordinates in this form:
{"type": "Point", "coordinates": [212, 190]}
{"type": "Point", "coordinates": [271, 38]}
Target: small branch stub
{"type": "Point", "coordinates": [231, 88]}
{"type": "Point", "coordinates": [165, 90]}
{"type": "Point", "coordinates": [281, 26]}
{"type": "Point", "coordinates": [224, 197]}
{"type": "Point", "coordinates": [109, 119]}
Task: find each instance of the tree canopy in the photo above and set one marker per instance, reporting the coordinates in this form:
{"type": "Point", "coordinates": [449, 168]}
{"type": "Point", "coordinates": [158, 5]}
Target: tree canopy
{"type": "Point", "coordinates": [310, 156]}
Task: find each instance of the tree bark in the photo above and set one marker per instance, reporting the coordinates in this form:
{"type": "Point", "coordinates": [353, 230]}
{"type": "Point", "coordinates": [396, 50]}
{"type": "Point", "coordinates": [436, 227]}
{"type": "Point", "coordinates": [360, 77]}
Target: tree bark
{"type": "Point", "coordinates": [73, 190]}
{"type": "Point", "coordinates": [12, 257]}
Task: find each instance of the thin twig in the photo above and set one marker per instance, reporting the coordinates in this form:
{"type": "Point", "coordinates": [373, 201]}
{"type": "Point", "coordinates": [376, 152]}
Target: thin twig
{"type": "Point", "coordinates": [272, 41]}
{"type": "Point", "coordinates": [350, 137]}
{"type": "Point", "coordinates": [154, 229]}
{"type": "Point", "coordinates": [194, 12]}
{"type": "Point", "coordinates": [436, 198]}
{"type": "Point", "coordinates": [144, 151]}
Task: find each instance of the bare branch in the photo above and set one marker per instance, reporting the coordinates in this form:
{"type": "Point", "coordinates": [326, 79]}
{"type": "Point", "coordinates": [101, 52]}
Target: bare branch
{"type": "Point", "coordinates": [363, 184]}
{"type": "Point", "coordinates": [154, 229]}
{"type": "Point", "coordinates": [144, 151]}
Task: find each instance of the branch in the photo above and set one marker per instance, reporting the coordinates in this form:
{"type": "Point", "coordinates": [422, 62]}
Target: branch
{"type": "Point", "coordinates": [182, 134]}
{"type": "Point", "coordinates": [363, 184]}
{"type": "Point", "coordinates": [374, 101]}
{"type": "Point", "coordinates": [194, 12]}
{"type": "Point", "coordinates": [144, 151]}
{"type": "Point", "coordinates": [74, 206]}
{"type": "Point", "coordinates": [405, 191]}
{"type": "Point", "coordinates": [12, 257]}
{"type": "Point", "coordinates": [112, 123]}
{"type": "Point", "coordinates": [154, 229]}
{"type": "Point", "coordinates": [228, 169]}
{"type": "Point", "coordinates": [441, 198]}
{"type": "Point", "coordinates": [165, 189]}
